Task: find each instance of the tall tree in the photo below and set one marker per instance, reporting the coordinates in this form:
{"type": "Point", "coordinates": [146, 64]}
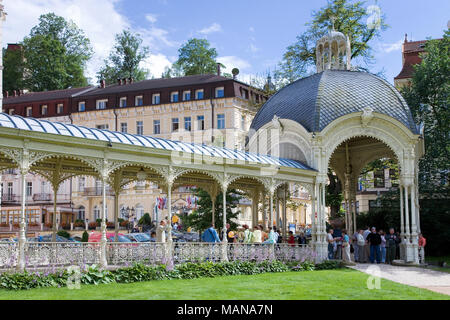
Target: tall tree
{"type": "Point", "coordinates": [56, 52]}
{"type": "Point", "coordinates": [13, 72]}
{"type": "Point", "coordinates": [196, 57]}
{"type": "Point", "coordinates": [429, 100]}
{"type": "Point", "coordinates": [125, 58]}
{"type": "Point", "coordinates": [350, 18]}
{"type": "Point", "coordinates": [201, 218]}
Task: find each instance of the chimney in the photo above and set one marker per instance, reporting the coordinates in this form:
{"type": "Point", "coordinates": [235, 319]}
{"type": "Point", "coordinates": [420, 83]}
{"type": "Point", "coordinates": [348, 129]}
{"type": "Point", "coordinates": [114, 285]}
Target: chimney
{"type": "Point", "coordinates": [15, 93]}
{"type": "Point", "coordinates": [218, 69]}
{"type": "Point", "coordinates": [102, 83]}
{"type": "Point", "coordinates": [124, 81]}
{"type": "Point", "coordinates": [7, 93]}
{"type": "Point", "coordinates": [130, 80]}
{"type": "Point", "coordinates": [119, 81]}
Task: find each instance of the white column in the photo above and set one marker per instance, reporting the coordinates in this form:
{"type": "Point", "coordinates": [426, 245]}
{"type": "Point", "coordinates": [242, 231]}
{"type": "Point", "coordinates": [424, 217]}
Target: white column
{"type": "Point", "coordinates": [407, 226]}
{"type": "Point", "coordinates": [224, 230]}
{"type": "Point", "coordinates": [402, 213]}
{"type": "Point", "coordinates": [169, 213]}
{"type": "Point", "coordinates": [284, 215]}
{"type": "Point", "coordinates": [213, 210]}
{"type": "Point", "coordinates": [263, 196]}
{"type": "Point", "coordinates": [271, 213]}
{"type": "Point", "coordinates": [103, 242]}
{"type": "Point", "coordinates": [413, 212]}
{"type": "Point", "coordinates": [277, 205]}
{"type": "Point", "coordinates": [20, 266]}
{"type": "Point", "coordinates": [116, 216]}
{"type": "Point", "coordinates": [55, 198]}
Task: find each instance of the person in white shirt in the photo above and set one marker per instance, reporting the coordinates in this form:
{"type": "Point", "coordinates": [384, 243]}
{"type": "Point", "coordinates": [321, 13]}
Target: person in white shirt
{"type": "Point", "coordinates": [330, 241]}
{"type": "Point", "coordinates": [257, 235]}
{"type": "Point", "coordinates": [360, 243]}
{"type": "Point", "coordinates": [161, 232]}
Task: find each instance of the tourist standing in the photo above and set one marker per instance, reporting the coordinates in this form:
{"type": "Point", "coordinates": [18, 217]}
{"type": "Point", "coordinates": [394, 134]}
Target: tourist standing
{"type": "Point", "coordinates": [330, 241]}
{"type": "Point", "coordinates": [301, 239]}
{"type": "Point", "coordinates": [257, 235]}
{"type": "Point", "coordinates": [391, 246]}
{"type": "Point", "coordinates": [345, 246]}
{"type": "Point", "coordinates": [355, 245]}
{"type": "Point", "coordinates": [383, 246]}
{"type": "Point", "coordinates": [291, 239]}
{"type": "Point", "coordinates": [273, 236]}
{"type": "Point", "coordinates": [374, 240]}
{"type": "Point", "coordinates": [422, 244]}
{"type": "Point", "coordinates": [210, 235]}
{"type": "Point", "coordinates": [161, 232]}
{"type": "Point", "coordinates": [360, 243]}
{"type": "Point", "coordinates": [248, 234]}
{"type": "Point", "coordinates": [264, 235]}
{"type": "Point", "coordinates": [366, 245]}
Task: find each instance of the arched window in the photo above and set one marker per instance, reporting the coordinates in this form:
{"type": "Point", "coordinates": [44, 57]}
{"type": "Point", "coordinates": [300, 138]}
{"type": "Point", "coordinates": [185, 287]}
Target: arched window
{"type": "Point", "coordinates": [139, 211]}
{"type": "Point", "coordinates": [81, 213]}
{"type": "Point", "coordinates": [96, 213]}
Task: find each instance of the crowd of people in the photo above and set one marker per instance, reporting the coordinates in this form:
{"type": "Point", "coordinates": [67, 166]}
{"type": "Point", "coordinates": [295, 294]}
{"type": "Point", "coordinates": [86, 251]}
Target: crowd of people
{"type": "Point", "coordinates": [368, 245]}
{"type": "Point", "coordinates": [255, 235]}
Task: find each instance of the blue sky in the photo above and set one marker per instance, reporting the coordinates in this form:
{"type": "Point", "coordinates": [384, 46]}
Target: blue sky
{"type": "Point", "coordinates": [249, 34]}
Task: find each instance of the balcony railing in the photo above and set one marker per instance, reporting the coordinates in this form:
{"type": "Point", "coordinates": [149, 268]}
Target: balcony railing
{"type": "Point", "coordinates": [94, 191]}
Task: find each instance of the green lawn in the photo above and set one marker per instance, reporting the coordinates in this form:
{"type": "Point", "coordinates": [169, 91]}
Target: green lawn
{"type": "Point", "coordinates": [333, 284]}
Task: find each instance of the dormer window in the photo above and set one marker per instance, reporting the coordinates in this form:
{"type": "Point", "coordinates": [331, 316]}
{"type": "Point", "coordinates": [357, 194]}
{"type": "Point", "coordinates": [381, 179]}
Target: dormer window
{"type": "Point", "coordinates": [174, 96]}
{"type": "Point", "coordinates": [101, 104]}
{"type": "Point", "coordinates": [199, 94]}
{"type": "Point", "coordinates": [29, 111]}
{"type": "Point", "coordinates": [186, 95]}
{"type": "Point", "coordinates": [220, 92]}
{"type": "Point", "coordinates": [138, 101]}
{"type": "Point", "coordinates": [44, 110]}
{"type": "Point", "coordinates": [59, 108]}
{"type": "Point", "coordinates": [156, 98]}
{"type": "Point", "coordinates": [123, 102]}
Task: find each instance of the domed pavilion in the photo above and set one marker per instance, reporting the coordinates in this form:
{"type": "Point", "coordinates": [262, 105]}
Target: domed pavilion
{"type": "Point", "coordinates": [343, 119]}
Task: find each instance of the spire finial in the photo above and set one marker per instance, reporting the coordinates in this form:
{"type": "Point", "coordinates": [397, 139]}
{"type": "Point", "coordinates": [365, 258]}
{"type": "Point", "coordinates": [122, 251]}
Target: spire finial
{"type": "Point", "coordinates": [332, 19]}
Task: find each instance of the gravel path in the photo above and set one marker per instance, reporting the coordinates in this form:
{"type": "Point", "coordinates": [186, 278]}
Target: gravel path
{"type": "Point", "coordinates": [413, 276]}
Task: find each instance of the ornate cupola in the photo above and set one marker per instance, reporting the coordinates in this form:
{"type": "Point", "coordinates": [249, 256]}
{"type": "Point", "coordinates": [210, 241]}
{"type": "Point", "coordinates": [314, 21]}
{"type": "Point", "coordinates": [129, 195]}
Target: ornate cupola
{"type": "Point", "coordinates": [333, 51]}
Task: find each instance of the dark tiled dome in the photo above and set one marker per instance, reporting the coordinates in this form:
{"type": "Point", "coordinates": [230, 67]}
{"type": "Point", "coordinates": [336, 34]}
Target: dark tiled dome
{"type": "Point", "coordinates": [316, 101]}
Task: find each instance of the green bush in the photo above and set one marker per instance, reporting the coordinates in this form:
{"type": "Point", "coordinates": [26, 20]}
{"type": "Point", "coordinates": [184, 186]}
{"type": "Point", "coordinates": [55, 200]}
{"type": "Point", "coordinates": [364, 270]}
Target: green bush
{"type": "Point", "coordinates": [64, 234]}
{"type": "Point", "coordinates": [139, 272]}
{"type": "Point", "coordinates": [85, 237]}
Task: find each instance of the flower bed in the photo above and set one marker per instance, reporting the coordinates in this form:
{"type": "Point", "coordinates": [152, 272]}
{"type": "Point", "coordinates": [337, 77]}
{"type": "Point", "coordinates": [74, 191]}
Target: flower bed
{"type": "Point", "coordinates": [140, 272]}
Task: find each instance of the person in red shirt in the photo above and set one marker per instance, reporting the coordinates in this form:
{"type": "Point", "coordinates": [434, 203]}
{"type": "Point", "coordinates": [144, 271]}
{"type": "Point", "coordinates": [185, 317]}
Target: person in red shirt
{"type": "Point", "coordinates": [291, 239]}
{"type": "Point", "coordinates": [422, 244]}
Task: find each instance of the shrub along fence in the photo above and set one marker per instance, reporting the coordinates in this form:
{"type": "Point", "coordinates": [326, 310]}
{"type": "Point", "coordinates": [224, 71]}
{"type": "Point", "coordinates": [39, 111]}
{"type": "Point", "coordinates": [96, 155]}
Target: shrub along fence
{"type": "Point", "coordinates": [140, 272]}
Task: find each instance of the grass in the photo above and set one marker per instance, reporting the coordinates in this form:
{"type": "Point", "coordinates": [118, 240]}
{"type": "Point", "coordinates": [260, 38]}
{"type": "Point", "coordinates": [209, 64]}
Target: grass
{"type": "Point", "coordinates": [324, 285]}
{"type": "Point", "coordinates": [442, 258]}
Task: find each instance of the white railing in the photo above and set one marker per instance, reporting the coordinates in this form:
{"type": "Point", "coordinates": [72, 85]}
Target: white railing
{"type": "Point", "coordinates": [42, 254]}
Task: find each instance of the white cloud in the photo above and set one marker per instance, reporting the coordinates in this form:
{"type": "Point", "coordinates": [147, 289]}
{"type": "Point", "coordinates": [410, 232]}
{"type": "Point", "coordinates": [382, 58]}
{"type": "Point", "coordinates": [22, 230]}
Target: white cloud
{"type": "Point", "coordinates": [152, 18]}
{"type": "Point", "coordinates": [253, 48]}
{"type": "Point", "coordinates": [99, 19]}
{"type": "Point", "coordinates": [215, 27]}
{"type": "Point", "coordinates": [389, 47]}
{"type": "Point", "coordinates": [156, 64]}
{"type": "Point", "coordinates": [251, 29]}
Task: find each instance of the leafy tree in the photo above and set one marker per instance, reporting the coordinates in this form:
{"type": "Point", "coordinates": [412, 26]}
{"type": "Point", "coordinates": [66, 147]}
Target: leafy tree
{"type": "Point", "coordinates": [196, 57]}
{"type": "Point", "coordinates": [85, 237]}
{"type": "Point", "coordinates": [351, 18]}
{"type": "Point", "coordinates": [429, 98]}
{"type": "Point", "coordinates": [56, 52]}
{"type": "Point", "coordinates": [201, 218]}
{"type": "Point", "coordinates": [125, 58]}
{"type": "Point", "coordinates": [334, 196]}
{"type": "Point", "coordinates": [13, 72]}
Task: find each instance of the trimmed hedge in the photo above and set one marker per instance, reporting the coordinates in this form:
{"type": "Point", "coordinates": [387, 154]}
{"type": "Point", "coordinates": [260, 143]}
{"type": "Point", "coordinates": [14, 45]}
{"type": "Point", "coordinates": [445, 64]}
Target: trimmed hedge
{"type": "Point", "coordinates": [140, 272]}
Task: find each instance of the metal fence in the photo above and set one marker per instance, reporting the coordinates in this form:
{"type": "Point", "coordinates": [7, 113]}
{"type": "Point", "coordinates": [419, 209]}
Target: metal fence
{"type": "Point", "coordinates": [43, 254]}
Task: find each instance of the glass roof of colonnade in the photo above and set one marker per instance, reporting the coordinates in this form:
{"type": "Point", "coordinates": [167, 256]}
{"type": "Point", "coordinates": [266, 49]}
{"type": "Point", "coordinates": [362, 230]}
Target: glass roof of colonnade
{"type": "Point", "coordinates": [45, 126]}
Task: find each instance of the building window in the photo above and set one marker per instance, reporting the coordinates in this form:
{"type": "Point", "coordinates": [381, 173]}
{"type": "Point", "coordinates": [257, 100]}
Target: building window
{"type": "Point", "coordinates": [156, 126]}
{"type": "Point", "coordinates": [59, 108]}
{"type": "Point", "coordinates": [101, 104]}
{"type": "Point", "coordinates": [244, 93]}
{"type": "Point", "coordinates": [138, 101]}
{"type": "Point", "coordinates": [174, 96]}
{"type": "Point", "coordinates": [140, 127]}
{"type": "Point", "coordinates": [187, 123]}
{"type": "Point", "coordinates": [221, 121]}
{"type": "Point", "coordinates": [124, 127]}
{"type": "Point", "coordinates": [186, 95]}
{"type": "Point", "coordinates": [220, 92]}
{"type": "Point", "coordinates": [175, 124]}
{"type": "Point", "coordinates": [379, 179]}
{"type": "Point", "coordinates": [44, 110]}
{"type": "Point", "coordinates": [29, 189]}
{"type": "Point", "coordinates": [200, 122]}
{"type": "Point", "coordinates": [123, 102]}
{"type": "Point", "coordinates": [102, 126]}
{"type": "Point", "coordinates": [156, 98]}
{"type": "Point", "coordinates": [11, 112]}
{"type": "Point", "coordinates": [199, 94]}
{"type": "Point", "coordinates": [81, 184]}
{"type": "Point", "coordinates": [81, 106]}
{"type": "Point", "coordinates": [81, 213]}
{"type": "Point", "coordinates": [29, 111]}
{"type": "Point", "coordinates": [96, 213]}
{"type": "Point", "coordinates": [242, 122]}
